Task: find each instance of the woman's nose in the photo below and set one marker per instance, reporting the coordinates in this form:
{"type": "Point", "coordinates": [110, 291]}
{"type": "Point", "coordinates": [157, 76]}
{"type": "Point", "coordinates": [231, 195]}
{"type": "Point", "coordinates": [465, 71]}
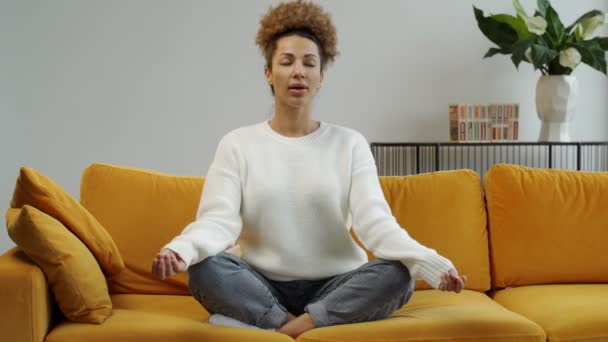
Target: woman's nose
{"type": "Point", "coordinates": [298, 70]}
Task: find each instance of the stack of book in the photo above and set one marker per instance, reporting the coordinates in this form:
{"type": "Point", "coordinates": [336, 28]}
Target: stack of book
{"type": "Point", "coordinates": [484, 122]}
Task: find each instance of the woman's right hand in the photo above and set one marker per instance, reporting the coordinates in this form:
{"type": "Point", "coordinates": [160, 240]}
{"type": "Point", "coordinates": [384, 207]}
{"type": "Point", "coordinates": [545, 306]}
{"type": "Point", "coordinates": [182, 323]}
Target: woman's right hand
{"type": "Point", "coordinates": [452, 281]}
{"type": "Point", "coordinates": [167, 263]}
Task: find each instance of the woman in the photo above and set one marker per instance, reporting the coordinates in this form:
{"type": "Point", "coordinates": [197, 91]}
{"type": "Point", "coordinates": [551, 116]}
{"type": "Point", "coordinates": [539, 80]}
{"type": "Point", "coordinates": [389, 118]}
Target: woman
{"type": "Point", "coordinates": [294, 185]}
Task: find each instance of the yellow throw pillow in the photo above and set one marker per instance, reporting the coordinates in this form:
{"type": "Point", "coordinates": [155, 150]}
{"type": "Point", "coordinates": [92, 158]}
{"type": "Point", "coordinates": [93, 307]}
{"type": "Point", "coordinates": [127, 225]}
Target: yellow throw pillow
{"type": "Point", "coordinates": [37, 190]}
{"type": "Point", "coordinates": [73, 274]}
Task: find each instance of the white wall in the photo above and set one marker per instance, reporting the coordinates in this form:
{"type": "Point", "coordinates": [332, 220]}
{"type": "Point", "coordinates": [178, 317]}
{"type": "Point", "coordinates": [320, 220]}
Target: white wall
{"type": "Point", "coordinates": [155, 84]}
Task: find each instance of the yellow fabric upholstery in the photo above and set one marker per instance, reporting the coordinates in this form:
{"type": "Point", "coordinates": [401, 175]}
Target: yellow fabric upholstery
{"type": "Point", "coordinates": [26, 303]}
{"type": "Point", "coordinates": [566, 312]}
{"type": "Point", "coordinates": [142, 210]}
{"type": "Point", "coordinates": [159, 318]}
{"type": "Point", "coordinates": [547, 226]}
{"type": "Point", "coordinates": [445, 211]}
{"type": "Point", "coordinates": [73, 274]}
{"type": "Point", "coordinates": [432, 315]}
{"type": "Point", "coordinates": [39, 191]}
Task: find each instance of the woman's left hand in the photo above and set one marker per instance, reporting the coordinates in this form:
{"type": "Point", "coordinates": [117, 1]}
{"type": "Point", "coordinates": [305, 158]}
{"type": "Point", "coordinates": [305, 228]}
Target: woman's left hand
{"type": "Point", "coordinates": [451, 281]}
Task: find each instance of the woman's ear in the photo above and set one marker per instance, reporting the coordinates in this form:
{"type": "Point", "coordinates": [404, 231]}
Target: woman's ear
{"type": "Point", "coordinates": [268, 75]}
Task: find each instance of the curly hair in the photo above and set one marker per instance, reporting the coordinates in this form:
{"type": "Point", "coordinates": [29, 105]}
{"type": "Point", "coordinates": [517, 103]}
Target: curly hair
{"type": "Point", "coordinates": [301, 18]}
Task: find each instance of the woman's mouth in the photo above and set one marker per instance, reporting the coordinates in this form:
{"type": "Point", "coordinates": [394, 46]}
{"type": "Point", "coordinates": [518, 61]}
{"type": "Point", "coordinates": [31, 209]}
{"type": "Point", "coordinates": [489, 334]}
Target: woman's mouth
{"type": "Point", "coordinates": [297, 91]}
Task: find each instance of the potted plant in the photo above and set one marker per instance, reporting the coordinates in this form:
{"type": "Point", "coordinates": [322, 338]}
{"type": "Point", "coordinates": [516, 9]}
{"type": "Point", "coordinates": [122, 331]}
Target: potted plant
{"type": "Point", "coordinates": [543, 41]}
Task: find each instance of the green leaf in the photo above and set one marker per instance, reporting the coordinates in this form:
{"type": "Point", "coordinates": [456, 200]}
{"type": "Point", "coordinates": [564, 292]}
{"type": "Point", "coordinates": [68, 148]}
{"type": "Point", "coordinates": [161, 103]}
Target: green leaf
{"type": "Point", "coordinates": [542, 7]}
{"type": "Point", "coordinates": [519, 51]}
{"type": "Point", "coordinates": [602, 42]}
{"type": "Point", "coordinates": [555, 28]}
{"type": "Point", "coordinates": [499, 33]}
{"type": "Point", "coordinates": [587, 15]}
{"type": "Point", "coordinates": [494, 51]}
{"type": "Point", "coordinates": [592, 54]}
{"type": "Point", "coordinates": [542, 55]}
{"type": "Point", "coordinates": [517, 23]}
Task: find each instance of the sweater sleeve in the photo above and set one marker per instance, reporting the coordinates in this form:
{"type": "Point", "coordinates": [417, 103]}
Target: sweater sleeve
{"type": "Point", "coordinates": [377, 228]}
{"type": "Point", "coordinates": [218, 220]}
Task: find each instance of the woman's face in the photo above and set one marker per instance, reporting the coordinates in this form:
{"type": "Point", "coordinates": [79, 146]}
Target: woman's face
{"type": "Point", "coordinates": [296, 71]}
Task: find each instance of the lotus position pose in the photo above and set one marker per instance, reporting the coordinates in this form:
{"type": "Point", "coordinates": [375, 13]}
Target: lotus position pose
{"type": "Point", "coordinates": [293, 186]}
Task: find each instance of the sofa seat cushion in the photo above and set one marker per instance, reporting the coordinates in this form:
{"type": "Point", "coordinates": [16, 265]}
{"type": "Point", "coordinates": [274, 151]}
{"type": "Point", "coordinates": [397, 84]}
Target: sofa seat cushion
{"type": "Point", "coordinates": [157, 318]}
{"type": "Point", "coordinates": [432, 315]}
{"type": "Point", "coordinates": [566, 312]}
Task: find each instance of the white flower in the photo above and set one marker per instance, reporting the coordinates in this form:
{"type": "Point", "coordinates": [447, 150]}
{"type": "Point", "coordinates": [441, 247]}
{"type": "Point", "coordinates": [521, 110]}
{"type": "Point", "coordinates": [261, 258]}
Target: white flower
{"type": "Point", "coordinates": [569, 58]}
{"type": "Point", "coordinates": [529, 55]}
{"type": "Point", "coordinates": [585, 28]}
{"type": "Point", "coordinates": [536, 25]}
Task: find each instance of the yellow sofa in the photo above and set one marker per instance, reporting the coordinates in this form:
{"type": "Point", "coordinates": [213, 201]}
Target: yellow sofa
{"type": "Point", "coordinates": [536, 272]}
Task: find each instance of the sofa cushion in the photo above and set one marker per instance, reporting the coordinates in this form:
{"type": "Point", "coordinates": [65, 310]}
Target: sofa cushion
{"type": "Point", "coordinates": [77, 283]}
{"type": "Point", "coordinates": [432, 315]}
{"type": "Point", "coordinates": [444, 211]}
{"type": "Point", "coordinates": [142, 210]}
{"type": "Point", "coordinates": [39, 191]}
{"type": "Point", "coordinates": [160, 318]}
{"type": "Point", "coordinates": [547, 226]}
{"type": "Point", "coordinates": [566, 312]}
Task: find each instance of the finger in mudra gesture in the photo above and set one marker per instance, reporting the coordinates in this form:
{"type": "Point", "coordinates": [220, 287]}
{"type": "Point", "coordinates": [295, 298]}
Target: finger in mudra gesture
{"type": "Point", "coordinates": [451, 281]}
{"type": "Point", "coordinates": [166, 264]}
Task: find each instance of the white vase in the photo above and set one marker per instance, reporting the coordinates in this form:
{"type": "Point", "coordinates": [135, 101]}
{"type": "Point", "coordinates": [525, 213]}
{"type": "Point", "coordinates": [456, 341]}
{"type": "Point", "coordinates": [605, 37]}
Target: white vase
{"type": "Point", "coordinates": [556, 97]}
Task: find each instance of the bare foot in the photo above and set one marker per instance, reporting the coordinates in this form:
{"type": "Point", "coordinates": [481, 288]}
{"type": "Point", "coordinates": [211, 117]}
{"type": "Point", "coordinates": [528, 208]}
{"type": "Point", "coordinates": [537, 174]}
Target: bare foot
{"type": "Point", "coordinates": [297, 326]}
{"type": "Point", "coordinates": [290, 317]}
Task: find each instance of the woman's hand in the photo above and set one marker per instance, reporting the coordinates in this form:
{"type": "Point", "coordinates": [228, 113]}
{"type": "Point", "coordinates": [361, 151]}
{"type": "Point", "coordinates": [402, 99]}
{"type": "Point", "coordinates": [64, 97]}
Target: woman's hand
{"type": "Point", "coordinates": [451, 281]}
{"type": "Point", "coordinates": [166, 264]}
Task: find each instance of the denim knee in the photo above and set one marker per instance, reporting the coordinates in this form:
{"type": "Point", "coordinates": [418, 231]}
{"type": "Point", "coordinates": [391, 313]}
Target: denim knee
{"type": "Point", "coordinates": [398, 275]}
{"type": "Point", "coordinates": [370, 293]}
{"type": "Point", "coordinates": [396, 278]}
{"type": "Point", "coordinates": [225, 284]}
{"type": "Point", "coordinates": [208, 273]}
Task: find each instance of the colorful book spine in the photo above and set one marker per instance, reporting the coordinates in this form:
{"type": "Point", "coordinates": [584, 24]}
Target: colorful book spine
{"type": "Point", "coordinates": [462, 123]}
{"type": "Point", "coordinates": [483, 122]}
{"type": "Point", "coordinates": [453, 113]}
{"type": "Point", "coordinates": [516, 123]}
{"type": "Point", "coordinates": [505, 122]}
{"type": "Point", "coordinates": [488, 123]}
{"type": "Point", "coordinates": [469, 123]}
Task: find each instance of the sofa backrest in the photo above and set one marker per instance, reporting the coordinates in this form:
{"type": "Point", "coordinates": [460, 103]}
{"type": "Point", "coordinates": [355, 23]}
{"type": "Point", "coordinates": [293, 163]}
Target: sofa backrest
{"type": "Point", "coordinates": [444, 211]}
{"type": "Point", "coordinates": [142, 210]}
{"type": "Point", "coordinates": [547, 226]}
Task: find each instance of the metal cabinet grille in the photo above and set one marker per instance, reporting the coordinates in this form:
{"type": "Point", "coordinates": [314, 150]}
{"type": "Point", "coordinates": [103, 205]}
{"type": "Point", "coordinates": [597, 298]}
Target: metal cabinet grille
{"type": "Point", "coordinates": [396, 159]}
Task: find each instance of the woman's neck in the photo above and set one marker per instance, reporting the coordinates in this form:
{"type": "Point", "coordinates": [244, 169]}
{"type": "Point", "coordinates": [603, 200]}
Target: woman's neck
{"type": "Point", "coordinates": [293, 122]}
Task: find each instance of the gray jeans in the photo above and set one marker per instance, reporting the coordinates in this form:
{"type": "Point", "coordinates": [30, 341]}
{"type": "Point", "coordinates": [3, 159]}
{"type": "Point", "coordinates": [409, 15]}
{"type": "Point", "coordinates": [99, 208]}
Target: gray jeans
{"type": "Point", "coordinates": [226, 285]}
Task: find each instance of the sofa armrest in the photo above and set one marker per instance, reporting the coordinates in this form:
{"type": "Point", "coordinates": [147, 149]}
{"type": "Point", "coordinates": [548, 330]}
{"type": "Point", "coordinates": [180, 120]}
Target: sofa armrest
{"type": "Point", "coordinates": [26, 304]}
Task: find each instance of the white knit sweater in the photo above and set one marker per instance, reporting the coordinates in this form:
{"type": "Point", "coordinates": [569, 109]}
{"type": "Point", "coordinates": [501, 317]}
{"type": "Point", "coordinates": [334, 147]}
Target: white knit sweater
{"type": "Point", "coordinates": [295, 199]}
